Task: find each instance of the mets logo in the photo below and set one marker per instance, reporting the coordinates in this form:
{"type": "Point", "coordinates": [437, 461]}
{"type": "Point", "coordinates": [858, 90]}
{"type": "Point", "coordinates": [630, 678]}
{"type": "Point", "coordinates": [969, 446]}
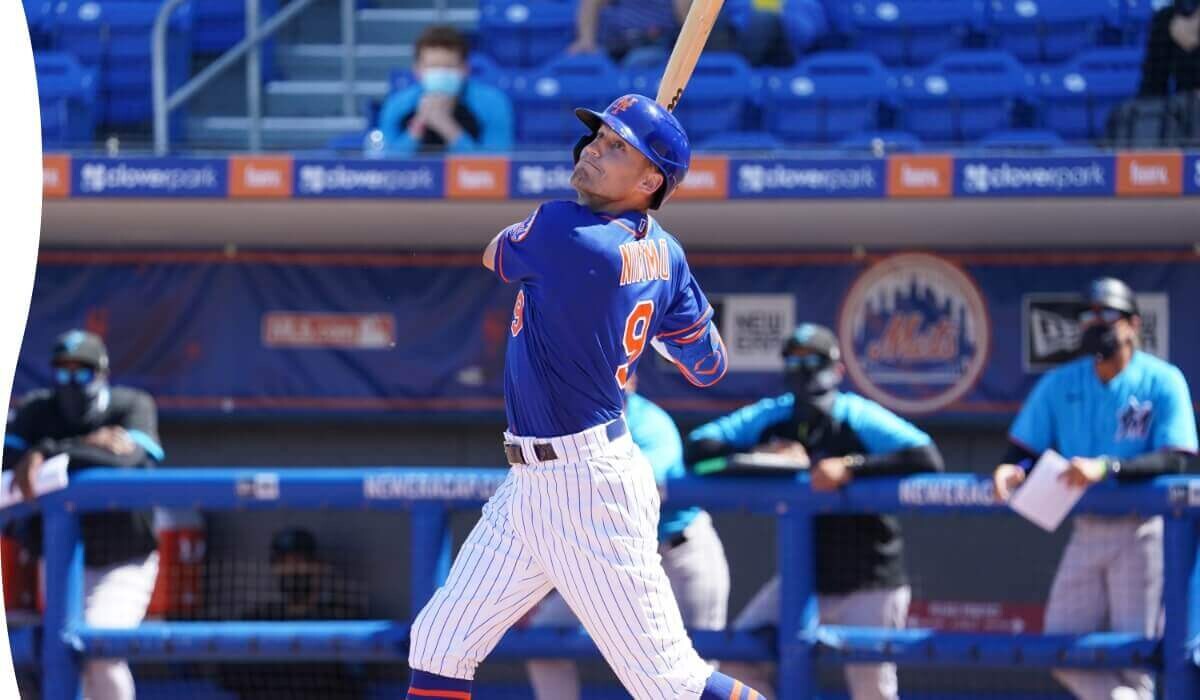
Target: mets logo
{"type": "Point", "coordinates": [622, 104]}
{"type": "Point", "coordinates": [915, 333]}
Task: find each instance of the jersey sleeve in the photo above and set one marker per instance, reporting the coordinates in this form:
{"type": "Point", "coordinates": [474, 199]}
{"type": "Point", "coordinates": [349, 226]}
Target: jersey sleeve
{"type": "Point", "coordinates": [1175, 424]}
{"type": "Point", "coordinates": [22, 432]}
{"type": "Point", "coordinates": [523, 250]}
{"type": "Point", "coordinates": [688, 337]}
{"type": "Point", "coordinates": [656, 436]}
{"type": "Point", "coordinates": [880, 430]}
{"type": "Point", "coordinates": [743, 429]}
{"type": "Point", "coordinates": [141, 422]}
{"type": "Point", "coordinates": [1033, 428]}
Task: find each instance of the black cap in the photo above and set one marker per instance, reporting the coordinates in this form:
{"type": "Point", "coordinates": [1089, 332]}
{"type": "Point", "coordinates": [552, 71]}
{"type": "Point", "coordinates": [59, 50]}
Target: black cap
{"type": "Point", "coordinates": [1111, 293]}
{"type": "Point", "coordinates": [294, 540]}
{"type": "Point", "coordinates": [818, 339]}
{"type": "Point", "coordinates": [81, 346]}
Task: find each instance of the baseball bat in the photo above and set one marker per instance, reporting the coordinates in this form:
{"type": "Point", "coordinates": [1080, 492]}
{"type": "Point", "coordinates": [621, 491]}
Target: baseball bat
{"type": "Point", "coordinates": [696, 27]}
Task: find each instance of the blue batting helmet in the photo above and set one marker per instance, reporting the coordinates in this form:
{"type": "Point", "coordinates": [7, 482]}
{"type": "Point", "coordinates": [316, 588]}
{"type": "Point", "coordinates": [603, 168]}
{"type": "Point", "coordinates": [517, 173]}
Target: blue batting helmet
{"type": "Point", "coordinates": [649, 127]}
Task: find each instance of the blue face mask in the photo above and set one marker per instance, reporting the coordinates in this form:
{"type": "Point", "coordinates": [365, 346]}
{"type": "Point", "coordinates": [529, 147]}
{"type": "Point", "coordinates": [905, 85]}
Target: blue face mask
{"type": "Point", "coordinates": [443, 81]}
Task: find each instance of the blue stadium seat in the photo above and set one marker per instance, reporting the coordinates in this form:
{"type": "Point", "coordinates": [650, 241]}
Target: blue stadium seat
{"type": "Point", "coordinates": [67, 94]}
{"type": "Point", "coordinates": [1045, 31]}
{"type": "Point", "coordinates": [734, 141]}
{"type": "Point", "coordinates": [219, 24]}
{"type": "Point", "coordinates": [1076, 98]}
{"type": "Point", "coordinates": [544, 100]}
{"type": "Point", "coordinates": [880, 142]}
{"type": "Point", "coordinates": [912, 32]}
{"type": "Point", "coordinates": [1021, 140]}
{"type": "Point", "coordinates": [1128, 21]}
{"type": "Point", "coordinates": [39, 16]}
{"type": "Point", "coordinates": [718, 95]}
{"type": "Point", "coordinates": [826, 97]}
{"type": "Point", "coordinates": [525, 34]}
{"type": "Point", "coordinates": [114, 37]}
{"type": "Point", "coordinates": [963, 95]}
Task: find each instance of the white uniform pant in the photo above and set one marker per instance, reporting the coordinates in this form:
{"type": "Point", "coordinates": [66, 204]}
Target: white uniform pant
{"type": "Point", "coordinates": [699, 576]}
{"type": "Point", "coordinates": [115, 596]}
{"type": "Point", "coordinates": [1110, 579]}
{"type": "Point", "coordinates": [584, 524]}
{"type": "Point", "coordinates": [881, 607]}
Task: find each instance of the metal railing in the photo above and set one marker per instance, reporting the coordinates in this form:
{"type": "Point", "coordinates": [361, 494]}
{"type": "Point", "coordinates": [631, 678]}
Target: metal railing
{"type": "Point", "coordinates": [251, 47]}
{"type": "Point", "coordinates": [430, 494]}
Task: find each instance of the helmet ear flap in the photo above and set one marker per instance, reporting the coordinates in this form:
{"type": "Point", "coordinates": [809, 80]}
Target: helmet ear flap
{"type": "Point", "coordinates": [582, 144]}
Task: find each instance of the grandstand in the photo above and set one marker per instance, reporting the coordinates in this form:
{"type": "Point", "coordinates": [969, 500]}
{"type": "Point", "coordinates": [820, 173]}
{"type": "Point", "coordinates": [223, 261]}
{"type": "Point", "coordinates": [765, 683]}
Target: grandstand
{"type": "Point", "coordinates": [309, 313]}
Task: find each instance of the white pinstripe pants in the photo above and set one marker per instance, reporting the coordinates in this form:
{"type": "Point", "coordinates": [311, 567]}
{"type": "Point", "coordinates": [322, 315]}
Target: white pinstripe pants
{"type": "Point", "coordinates": [584, 524]}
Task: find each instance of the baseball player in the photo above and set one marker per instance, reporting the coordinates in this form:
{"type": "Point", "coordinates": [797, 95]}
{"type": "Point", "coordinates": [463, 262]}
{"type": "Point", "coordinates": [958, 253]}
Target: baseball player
{"type": "Point", "coordinates": [860, 578]}
{"type": "Point", "coordinates": [691, 550]}
{"type": "Point", "coordinates": [94, 424]}
{"type": "Point", "coordinates": [599, 281]}
{"type": "Point", "coordinates": [1119, 413]}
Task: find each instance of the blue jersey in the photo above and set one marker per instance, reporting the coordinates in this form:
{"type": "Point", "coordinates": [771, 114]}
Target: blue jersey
{"type": "Point", "coordinates": [658, 438]}
{"type": "Point", "coordinates": [879, 430]}
{"type": "Point", "coordinates": [595, 291]}
{"type": "Point", "coordinates": [1145, 408]}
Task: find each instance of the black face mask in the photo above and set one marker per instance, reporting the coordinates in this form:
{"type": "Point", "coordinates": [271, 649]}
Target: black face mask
{"type": "Point", "coordinates": [296, 588]}
{"type": "Point", "coordinates": [1100, 341]}
{"type": "Point", "coordinates": [810, 384]}
{"type": "Point", "coordinates": [79, 404]}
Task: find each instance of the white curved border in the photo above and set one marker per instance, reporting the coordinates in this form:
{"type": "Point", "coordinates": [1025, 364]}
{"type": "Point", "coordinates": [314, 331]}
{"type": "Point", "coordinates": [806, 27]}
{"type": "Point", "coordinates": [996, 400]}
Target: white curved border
{"type": "Point", "coordinates": [852, 305]}
{"type": "Point", "coordinates": [21, 204]}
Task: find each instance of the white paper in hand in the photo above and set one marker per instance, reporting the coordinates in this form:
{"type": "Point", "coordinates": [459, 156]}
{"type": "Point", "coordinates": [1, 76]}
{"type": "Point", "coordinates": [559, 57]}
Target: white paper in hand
{"type": "Point", "coordinates": [51, 477]}
{"type": "Point", "coordinates": [1043, 499]}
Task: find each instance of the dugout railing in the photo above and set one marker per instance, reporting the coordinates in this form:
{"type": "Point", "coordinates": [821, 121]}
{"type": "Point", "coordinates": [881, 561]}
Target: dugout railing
{"type": "Point", "coordinates": [431, 494]}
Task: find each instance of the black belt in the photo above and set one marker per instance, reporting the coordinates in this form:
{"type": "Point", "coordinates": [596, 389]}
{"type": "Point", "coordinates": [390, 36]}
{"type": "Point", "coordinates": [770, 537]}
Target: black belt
{"type": "Point", "coordinates": [544, 451]}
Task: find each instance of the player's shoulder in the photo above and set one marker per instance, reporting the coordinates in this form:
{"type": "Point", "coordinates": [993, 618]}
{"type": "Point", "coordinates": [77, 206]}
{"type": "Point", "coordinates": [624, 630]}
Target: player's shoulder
{"type": "Point", "coordinates": [769, 404]}
{"type": "Point", "coordinates": [1069, 373]}
{"type": "Point", "coordinates": [124, 398]}
{"type": "Point", "coordinates": [1159, 370]}
{"type": "Point", "coordinates": [638, 407]}
{"type": "Point", "coordinates": [34, 402]}
{"type": "Point", "coordinates": [849, 405]}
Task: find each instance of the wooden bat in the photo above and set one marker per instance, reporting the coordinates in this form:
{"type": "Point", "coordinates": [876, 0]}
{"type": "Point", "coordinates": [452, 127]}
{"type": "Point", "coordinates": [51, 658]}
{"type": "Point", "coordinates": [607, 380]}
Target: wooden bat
{"type": "Point", "coordinates": [692, 37]}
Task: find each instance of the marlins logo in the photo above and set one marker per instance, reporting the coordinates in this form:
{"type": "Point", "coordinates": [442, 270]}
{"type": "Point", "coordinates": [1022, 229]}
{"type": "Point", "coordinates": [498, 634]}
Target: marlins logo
{"type": "Point", "coordinates": [915, 333]}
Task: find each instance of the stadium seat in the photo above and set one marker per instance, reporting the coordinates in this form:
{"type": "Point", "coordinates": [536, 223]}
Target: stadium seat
{"type": "Point", "coordinates": [1127, 22]}
{"type": "Point", "coordinates": [67, 95]}
{"type": "Point", "coordinates": [1045, 31]}
{"type": "Point", "coordinates": [911, 32]}
{"type": "Point", "coordinates": [544, 99]}
{"type": "Point", "coordinates": [717, 98]}
{"type": "Point", "coordinates": [826, 97]}
{"type": "Point", "coordinates": [39, 16]}
{"type": "Point", "coordinates": [963, 95]}
{"type": "Point", "coordinates": [880, 142]}
{"type": "Point", "coordinates": [1076, 98]}
{"type": "Point", "coordinates": [114, 37]}
{"type": "Point", "coordinates": [219, 24]}
{"type": "Point", "coordinates": [734, 141]}
{"type": "Point", "coordinates": [1021, 140]}
{"type": "Point", "coordinates": [525, 34]}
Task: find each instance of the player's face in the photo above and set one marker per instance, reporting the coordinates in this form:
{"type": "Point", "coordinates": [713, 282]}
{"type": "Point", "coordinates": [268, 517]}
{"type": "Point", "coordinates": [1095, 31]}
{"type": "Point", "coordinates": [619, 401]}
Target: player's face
{"type": "Point", "coordinates": [611, 174]}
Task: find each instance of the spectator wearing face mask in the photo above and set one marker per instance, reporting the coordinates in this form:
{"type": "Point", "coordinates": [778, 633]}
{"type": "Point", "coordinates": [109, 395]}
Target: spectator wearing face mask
{"type": "Point", "coordinates": [446, 111]}
{"type": "Point", "coordinates": [94, 424]}
{"type": "Point", "coordinates": [1172, 62]}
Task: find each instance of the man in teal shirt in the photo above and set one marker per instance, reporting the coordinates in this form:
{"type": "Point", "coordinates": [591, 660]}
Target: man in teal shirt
{"type": "Point", "coordinates": [691, 552]}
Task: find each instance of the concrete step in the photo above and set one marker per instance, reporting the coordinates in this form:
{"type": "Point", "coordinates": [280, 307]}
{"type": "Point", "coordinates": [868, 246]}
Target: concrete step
{"type": "Point", "coordinates": [320, 23]}
{"type": "Point", "coordinates": [279, 133]}
{"type": "Point", "coordinates": [318, 98]}
{"type": "Point", "coordinates": [384, 25]}
{"type": "Point", "coordinates": [324, 61]}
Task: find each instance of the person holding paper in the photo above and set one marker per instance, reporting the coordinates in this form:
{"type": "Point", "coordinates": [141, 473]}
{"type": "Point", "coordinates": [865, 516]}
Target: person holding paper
{"type": "Point", "coordinates": [1114, 413]}
{"type": "Point", "coordinates": [93, 424]}
{"type": "Point", "coordinates": [860, 576]}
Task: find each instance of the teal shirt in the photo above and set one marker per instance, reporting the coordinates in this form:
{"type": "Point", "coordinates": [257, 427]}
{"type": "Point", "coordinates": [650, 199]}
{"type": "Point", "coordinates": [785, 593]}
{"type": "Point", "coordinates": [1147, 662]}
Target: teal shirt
{"type": "Point", "coordinates": [656, 435]}
{"type": "Point", "coordinates": [879, 430]}
{"type": "Point", "coordinates": [1146, 408]}
{"type": "Point", "coordinates": [491, 107]}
